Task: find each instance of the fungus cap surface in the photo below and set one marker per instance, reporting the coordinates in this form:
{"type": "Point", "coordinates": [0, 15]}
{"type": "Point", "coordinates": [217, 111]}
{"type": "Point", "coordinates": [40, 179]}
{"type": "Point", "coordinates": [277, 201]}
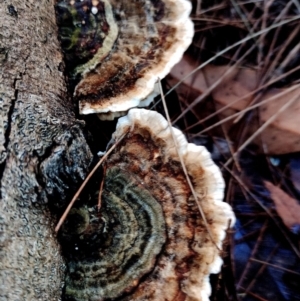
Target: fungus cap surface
{"type": "Point", "coordinates": [153, 243]}
{"type": "Point", "coordinates": [119, 48]}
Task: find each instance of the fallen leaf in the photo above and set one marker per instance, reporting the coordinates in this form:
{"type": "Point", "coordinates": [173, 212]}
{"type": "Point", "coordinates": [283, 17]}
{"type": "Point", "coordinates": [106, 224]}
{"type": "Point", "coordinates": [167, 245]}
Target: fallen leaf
{"type": "Point", "coordinates": [287, 207]}
{"type": "Point", "coordinates": [281, 136]}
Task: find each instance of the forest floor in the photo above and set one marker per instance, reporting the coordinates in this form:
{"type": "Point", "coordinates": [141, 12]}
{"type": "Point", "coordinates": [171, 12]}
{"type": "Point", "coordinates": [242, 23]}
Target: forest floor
{"type": "Point", "coordinates": [236, 91]}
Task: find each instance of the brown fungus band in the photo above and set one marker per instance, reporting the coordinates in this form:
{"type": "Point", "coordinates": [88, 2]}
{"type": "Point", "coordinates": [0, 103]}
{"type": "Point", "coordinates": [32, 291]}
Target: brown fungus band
{"type": "Point", "coordinates": [149, 241]}
{"type": "Point", "coordinates": [117, 49]}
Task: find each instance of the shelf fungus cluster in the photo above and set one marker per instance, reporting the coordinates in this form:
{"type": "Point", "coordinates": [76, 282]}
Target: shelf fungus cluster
{"type": "Point", "coordinates": [149, 241]}
{"type": "Point", "coordinates": [118, 49]}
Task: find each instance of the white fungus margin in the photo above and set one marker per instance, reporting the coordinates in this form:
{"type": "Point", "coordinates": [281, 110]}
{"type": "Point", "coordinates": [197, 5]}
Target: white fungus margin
{"type": "Point", "coordinates": [219, 214]}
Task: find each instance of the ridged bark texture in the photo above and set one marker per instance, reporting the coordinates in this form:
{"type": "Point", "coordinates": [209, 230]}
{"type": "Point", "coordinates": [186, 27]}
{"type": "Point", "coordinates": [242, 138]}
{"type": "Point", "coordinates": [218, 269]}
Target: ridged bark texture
{"type": "Point", "coordinates": [43, 152]}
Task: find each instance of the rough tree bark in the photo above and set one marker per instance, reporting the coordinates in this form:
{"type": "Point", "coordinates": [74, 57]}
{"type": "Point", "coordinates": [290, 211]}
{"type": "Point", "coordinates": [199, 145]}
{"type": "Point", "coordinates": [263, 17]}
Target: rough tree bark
{"type": "Point", "coordinates": [41, 143]}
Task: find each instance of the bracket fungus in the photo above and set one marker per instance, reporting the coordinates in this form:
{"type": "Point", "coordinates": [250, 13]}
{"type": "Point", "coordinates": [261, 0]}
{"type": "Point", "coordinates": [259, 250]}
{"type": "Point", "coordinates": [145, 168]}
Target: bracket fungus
{"type": "Point", "coordinates": [149, 241]}
{"type": "Point", "coordinates": [117, 49]}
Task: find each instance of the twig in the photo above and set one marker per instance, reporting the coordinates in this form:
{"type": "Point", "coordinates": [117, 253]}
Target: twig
{"type": "Point", "coordinates": [101, 189]}
{"type": "Point", "coordinates": [240, 42]}
{"type": "Point", "coordinates": [260, 88]}
{"type": "Point", "coordinates": [275, 266]}
{"type": "Point", "coordinates": [245, 110]}
{"type": "Point", "coordinates": [261, 270]}
{"type": "Point", "coordinates": [263, 127]}
{"type": "Point", "coordinates": [184, 167]}
{"type": "Point", "coordinates": [63, 217]}
{"type": "Point", "coordinates": [253, 252]}
{"type": "Point", "coordinates": [265, 208]}
{"type": "Point", "coordinates": [214, 85]}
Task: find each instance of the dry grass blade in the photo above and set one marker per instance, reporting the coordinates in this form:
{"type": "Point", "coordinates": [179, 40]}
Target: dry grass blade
{"type": "Point", "coordinates": [212, 87]}
{"type": "Point", "coordinates": [229, 105]}
{"type": "Point", "coordinates": [260, 271]}
{"type": "Point", "coordinates": [101, 189]}
{"type": "Point", "coordinates": [272, 68]}
{"type": "Point", "coordinates": [222, 52]}
{"type": "Point", "coordinates": [242, 112]}
{"type": "Point", "coordinates": [184, 167]}
{"type": "Point", "coordinates": [274, 266]}
{"type": "Point", "coordinates": [263, 127]}
{"type": "Point", "coordinates": [253, 252]}
{"type": "Point", "coordinates": [63, 217]}
{"type": "Point", "coordinates": [266, 209]}
{"type": "Point", "coordinates": [243, 18]}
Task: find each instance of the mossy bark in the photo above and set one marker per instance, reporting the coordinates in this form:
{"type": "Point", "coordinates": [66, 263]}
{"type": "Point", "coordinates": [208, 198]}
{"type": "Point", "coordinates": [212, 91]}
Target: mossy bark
{"type": "Point", "coordinates": [43, 153]}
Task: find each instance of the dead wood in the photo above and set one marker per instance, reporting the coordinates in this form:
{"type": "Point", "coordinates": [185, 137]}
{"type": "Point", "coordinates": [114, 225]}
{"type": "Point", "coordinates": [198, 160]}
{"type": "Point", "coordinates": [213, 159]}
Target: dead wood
{"type": "Point", "coordinates": [42, 150]}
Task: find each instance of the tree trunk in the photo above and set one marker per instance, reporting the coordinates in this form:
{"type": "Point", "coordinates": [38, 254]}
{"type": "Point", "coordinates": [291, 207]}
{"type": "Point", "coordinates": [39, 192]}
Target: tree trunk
{"type": "Point", "coordinates": [41, 143]}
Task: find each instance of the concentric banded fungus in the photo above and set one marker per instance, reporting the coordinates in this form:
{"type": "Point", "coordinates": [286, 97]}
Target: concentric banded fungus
{"type": "Point", "coordinates": [119, 48]}
{"type": "Point", "coordinates": [150, 242]}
